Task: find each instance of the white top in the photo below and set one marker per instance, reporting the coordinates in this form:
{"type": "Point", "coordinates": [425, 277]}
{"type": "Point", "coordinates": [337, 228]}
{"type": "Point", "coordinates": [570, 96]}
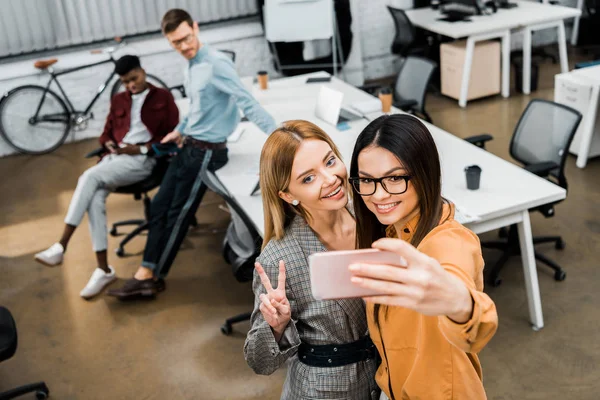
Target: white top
{"type": "Point", "coordinates": [505, 188]}
{"type": "Point", "coordinates": [138, 133]}
{"type": "Point", "coordinates": [525, 14]}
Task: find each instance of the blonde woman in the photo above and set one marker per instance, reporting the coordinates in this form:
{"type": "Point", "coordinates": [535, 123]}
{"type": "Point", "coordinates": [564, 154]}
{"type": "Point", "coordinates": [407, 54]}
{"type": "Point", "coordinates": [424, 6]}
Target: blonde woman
{"type": "Point", "coordinates": [305, 195]}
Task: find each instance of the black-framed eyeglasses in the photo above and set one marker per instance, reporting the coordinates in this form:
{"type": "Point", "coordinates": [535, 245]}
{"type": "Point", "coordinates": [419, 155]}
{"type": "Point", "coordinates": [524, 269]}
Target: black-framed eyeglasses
{"type": "Point", "coordinates": [187, 40]}
{"type": "Point", "coordinates": [396, 184]}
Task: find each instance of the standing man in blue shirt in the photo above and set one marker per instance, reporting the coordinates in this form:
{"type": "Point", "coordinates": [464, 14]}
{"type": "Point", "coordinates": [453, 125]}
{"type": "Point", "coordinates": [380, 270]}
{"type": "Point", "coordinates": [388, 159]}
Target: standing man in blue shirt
{"type": "Point", "coordinates": [215, 93]}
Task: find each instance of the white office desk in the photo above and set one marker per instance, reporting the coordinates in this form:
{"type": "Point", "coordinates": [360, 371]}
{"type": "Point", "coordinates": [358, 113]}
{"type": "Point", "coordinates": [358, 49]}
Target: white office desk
{"type": "Point", "coordinates": [505, 195]}
{"type": "Point", "coordinates": [528, 16]}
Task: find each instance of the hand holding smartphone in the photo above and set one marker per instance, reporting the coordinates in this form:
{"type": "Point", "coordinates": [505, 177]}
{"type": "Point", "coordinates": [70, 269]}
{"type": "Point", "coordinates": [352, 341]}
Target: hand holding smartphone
{"type": "Point", "coordinates": [165, 149]}
{"type": "Point", "coordinates": [330, 276]}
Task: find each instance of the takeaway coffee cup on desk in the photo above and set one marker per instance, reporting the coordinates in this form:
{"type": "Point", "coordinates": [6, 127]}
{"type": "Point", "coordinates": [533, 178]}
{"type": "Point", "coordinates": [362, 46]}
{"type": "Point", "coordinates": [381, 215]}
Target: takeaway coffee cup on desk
{"type": "Point", "coordinates": [263, 80]}
{"type": "Point", "coordinates": [473, 174]}
{"type": "Point", "coordinates": [385, 95]}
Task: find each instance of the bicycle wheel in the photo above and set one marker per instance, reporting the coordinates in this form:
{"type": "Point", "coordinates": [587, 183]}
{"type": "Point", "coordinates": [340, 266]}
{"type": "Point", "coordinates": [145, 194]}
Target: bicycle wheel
{"type": "Point", "coordinates": [118, 86]}
{"type": "Point", "coordinates": [33, 120]}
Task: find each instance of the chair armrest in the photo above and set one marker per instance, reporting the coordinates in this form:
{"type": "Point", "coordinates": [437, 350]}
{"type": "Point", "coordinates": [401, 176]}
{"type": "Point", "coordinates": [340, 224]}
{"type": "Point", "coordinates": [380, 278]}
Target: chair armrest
{"type": "Point", "coordinates": [96, 153]}
{"type": "Point", "coordinates": [479, 140]}
{"type": "Point", "coordinates": [541, 169]}
{"type": "Point", "coordinates": [180, 89]}
{"type": "Point", "coordinates": [405, 104]}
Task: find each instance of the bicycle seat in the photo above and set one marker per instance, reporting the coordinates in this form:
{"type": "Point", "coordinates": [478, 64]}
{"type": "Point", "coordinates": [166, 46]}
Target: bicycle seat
{"type": "Point", "coordinates": [43, 64]}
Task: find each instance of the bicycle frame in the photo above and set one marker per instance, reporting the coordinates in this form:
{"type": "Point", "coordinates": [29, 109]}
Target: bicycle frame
{"type": "Point", "coordinates": [53, 78]}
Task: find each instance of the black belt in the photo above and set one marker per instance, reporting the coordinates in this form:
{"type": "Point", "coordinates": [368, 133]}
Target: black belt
{"type": "Point", "coordinates": [201, 144]}
{"type": "Point", "coordinates": [335, 355]}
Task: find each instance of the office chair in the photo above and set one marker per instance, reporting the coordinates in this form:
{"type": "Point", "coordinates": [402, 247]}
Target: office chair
{"type": "Point", "coordinates": [542, 52]}
{"type": "Point", "coordinates": [139, 191]}
{"type": "Point", "coordinates": [8, 347]}
{"type": "Point", "coordinates": [406, 39]}
{"type": "Point", "coordinates": [241, 245]}
{"type": "Point", "coordinates": [541, 143]}
{"type": "Point", "coordinates": [410, 90]}
{"type": "Point", "coordinates": [180, 89]}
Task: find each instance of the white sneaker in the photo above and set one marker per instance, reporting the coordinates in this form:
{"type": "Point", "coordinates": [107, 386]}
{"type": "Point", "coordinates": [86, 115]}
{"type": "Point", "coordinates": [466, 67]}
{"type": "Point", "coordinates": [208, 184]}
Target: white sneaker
{"type": "Point", "coordinates": [98, 282]}
{"type": "Point", "coordinates": [52, 256]}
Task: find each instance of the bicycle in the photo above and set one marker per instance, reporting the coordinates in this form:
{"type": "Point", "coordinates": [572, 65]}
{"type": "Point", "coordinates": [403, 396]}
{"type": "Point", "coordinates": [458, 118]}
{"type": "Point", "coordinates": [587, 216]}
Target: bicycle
{"type": "Point", "coordinates": [44, 128]}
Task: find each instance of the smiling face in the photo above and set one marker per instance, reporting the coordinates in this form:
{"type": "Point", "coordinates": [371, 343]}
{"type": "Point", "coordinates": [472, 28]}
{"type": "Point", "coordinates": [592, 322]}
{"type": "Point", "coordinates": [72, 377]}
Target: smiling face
{"type": "Point", "coordinates": [319, 178]}
{"type": "Point", "coordinates": [377, 162]}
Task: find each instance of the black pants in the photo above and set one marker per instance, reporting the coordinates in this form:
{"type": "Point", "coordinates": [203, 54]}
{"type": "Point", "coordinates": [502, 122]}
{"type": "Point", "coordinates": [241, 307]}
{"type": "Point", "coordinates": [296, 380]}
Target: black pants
{"type": "Point", "coordinates": [173, 206]}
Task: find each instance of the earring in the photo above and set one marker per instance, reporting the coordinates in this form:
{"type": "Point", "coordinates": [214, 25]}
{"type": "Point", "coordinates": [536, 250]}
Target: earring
{"type": "Point", "coordinates": [295, 202]}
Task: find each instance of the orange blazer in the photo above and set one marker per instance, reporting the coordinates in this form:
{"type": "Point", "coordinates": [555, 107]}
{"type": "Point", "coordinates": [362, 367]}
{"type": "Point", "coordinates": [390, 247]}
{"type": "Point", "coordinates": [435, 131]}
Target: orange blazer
{"type": "Point", "coordinates": [431, 358]}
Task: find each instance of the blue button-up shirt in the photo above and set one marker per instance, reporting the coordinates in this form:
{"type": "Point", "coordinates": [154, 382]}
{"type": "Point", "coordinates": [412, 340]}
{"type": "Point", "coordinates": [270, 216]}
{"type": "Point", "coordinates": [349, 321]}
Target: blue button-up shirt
{"type": "Point", "coordinates": [215, 92]}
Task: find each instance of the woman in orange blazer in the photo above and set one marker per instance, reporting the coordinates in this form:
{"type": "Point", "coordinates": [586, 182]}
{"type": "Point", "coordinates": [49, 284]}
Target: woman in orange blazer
{"type": "Point", "coordinates": [433, 317]}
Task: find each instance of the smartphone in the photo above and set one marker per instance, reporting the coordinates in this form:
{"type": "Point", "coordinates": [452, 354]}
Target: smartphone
{"type": "Point", "coordinates": [330, 276]}
{"type": "Point", "coordinates": [165, 149]}
{"type": "Point", "coordinates": [319, 79]}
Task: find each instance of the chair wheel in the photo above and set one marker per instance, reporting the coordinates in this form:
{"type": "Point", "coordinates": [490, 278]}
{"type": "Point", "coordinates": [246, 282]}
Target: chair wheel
{"type": "Point", "coordinates": [41, 395]}
{"type": "Point", "coordinates": [560, 276]}
{"type": "Point", "coordinates": [495, 282]}
{"type": "Point", "coordinates": [503, 233]}
{"type": "Point", "coordinates": [226, 329]}
{"type": "Point", "coordinates": [560, 245]}
{"type": "Point", "coordinates": [120, 252]}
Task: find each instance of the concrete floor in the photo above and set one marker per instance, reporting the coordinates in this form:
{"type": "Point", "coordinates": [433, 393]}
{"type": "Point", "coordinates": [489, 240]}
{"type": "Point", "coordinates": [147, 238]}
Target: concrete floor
{"type": "Point", "coordinates": [172, 348]}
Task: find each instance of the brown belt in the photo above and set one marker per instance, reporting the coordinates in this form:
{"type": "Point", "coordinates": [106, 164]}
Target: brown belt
{"type": "Point", "coordinates": [201, 144]}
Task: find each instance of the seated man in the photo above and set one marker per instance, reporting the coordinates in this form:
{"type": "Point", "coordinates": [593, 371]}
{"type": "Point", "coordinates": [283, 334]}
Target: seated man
{"type": "Point", "coordinates": [142, 115]}
{"type": "Point", "coordinates": [216, 95]}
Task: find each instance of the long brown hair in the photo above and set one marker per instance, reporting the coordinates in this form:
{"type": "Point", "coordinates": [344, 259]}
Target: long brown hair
{"type": "Point", "coordinates": [410, 141]}
{"type": "Point", "coordinates": [276, 161]}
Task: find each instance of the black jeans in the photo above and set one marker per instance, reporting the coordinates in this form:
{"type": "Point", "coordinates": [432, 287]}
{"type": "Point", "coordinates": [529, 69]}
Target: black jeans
{"type": "Point", "coordinates": [174, 205]}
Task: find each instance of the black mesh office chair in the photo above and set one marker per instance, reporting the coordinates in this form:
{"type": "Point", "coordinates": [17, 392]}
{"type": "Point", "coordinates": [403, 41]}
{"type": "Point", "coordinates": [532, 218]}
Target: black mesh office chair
{"type": "Point", "coordinates": [407, 41]}
{"type": "Point", "coordinates": [541, 143]}
{"type": "Point", "coordinates": [410, 90]}
{"type": "Point", "coordinates": [8, 347]}
{"type": "Point", "coordinates": [241, 245]}
{"type": "Point", "coordinates": [139, 191]}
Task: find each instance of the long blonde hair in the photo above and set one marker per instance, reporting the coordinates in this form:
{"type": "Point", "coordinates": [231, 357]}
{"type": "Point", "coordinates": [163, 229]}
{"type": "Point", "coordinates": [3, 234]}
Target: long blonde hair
{"type": "Point", "coordinates": [276, 161]}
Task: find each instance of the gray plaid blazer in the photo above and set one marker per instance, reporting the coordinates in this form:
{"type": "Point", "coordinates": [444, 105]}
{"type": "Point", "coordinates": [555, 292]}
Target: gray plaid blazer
{"type": "Point", "coordinates": [314, 322]}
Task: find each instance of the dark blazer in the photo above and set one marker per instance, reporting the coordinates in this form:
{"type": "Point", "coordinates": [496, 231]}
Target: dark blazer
{"type": "Point", "coordinates": [313, 321]}
{"type": "Point", "coordinates": [160, 115]}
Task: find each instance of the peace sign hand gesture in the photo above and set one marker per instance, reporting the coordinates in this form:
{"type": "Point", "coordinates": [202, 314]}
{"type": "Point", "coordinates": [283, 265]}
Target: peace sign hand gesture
{"type": "Point", "coordinates": [274, 305]}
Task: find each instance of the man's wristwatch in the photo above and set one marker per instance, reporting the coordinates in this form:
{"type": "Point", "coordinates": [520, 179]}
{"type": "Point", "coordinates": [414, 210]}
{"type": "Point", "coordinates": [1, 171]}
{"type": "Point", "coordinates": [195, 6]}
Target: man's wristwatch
{"type": "Point", "coordinates": [143, 149]}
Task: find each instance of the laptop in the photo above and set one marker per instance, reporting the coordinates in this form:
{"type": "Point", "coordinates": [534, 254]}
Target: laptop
{"type": "Point", "coordinates": [329, 107]}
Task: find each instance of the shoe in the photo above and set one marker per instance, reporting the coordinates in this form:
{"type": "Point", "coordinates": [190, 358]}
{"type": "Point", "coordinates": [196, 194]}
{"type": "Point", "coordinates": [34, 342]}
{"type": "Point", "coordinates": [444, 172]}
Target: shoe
{"type": "Point", "coordinates": [98, 282]}
{"type": "Point", "coordinates": [161, 285]}
{"type": "Point", "coordinates": [135, 288]}
{"type": "Point", "coordinates": [52, 256]}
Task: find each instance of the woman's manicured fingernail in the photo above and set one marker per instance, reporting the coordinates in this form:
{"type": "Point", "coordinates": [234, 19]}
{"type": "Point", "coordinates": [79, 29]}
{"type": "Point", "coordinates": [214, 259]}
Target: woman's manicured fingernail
{"type": "Point", "coordinates": [356, 279]}
{"type": "Point", "coordinates": [354, 267]}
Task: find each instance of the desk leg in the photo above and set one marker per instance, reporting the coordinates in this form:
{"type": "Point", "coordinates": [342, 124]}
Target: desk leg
{"type": "Point", "coordinates": [464, 87]}
{"type": "Point", "coordinates": [562, 48]}
{"type": "Point", "coordinates": [587, 131]}
{"type": "Point", "coordinates": [575, 34]}
{"type": "Point", "coordinates": [506, 64]}
{"type": "Point", "coordinates": [529, 269]}
{"type": "Point", "coordinates": [526, 60]}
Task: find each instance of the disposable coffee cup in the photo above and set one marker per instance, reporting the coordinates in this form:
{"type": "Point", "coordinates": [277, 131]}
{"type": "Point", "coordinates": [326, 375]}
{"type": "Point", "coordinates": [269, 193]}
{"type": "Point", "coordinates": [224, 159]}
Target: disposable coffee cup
{"type": "Point", "coordinates": [263, 80]}
{"type": "Point", "coordinates": [385, 95]}
{"type": "Point", "coordinates": [473, 174]}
